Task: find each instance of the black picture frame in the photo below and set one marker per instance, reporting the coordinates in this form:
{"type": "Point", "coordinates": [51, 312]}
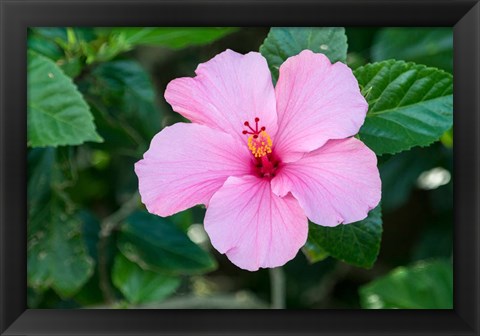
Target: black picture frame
{"type": "Point", "coordinates": [17, 15]}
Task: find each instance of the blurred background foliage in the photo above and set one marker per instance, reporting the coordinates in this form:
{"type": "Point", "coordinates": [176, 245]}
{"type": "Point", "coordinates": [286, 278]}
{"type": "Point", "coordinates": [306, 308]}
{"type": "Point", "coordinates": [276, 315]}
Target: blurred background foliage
{"type": "Point", "coordinates": [90, 242]}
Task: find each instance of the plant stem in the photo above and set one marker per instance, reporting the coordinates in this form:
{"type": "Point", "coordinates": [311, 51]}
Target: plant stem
{"type": "Point", "coordinates": [107, 226]}
{"type": "Point", "coordinates": [111, 222]}
{"type": "Point", "coordinates": [277, 285]}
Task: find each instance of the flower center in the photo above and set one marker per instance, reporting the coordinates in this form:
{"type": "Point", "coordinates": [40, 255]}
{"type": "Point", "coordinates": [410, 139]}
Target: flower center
{"type": "Point", "coordinates": [260, 144]}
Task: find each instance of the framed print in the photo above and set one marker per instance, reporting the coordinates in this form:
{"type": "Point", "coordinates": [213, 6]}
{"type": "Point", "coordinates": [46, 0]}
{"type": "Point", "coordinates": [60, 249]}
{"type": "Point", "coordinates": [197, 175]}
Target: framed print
{"type": "Point", "coordinates": [249, 167]}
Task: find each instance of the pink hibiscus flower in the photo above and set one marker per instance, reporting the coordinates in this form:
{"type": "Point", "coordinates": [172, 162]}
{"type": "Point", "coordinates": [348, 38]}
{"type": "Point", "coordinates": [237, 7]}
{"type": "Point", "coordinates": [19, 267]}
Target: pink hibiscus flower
{"type": "Point", "coordinates": [263, 159]}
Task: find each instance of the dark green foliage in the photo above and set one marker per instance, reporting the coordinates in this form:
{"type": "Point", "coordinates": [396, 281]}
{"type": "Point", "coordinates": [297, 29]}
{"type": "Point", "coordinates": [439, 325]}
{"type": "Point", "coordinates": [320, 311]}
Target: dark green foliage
{"type": "Point", "coordinates": [429, 46]}
{"type": "Point", "coordinates": [157, 244]}
{"type": "Point", "coordinates": [170, 37]}
{"type": "Point", "coordinates": [425, 285]}
{"type": "Point", "coordinates": [57, 255]}
{"type": "Point", "coordinates": [140, 285]}
{"type": "Point", "coordinates": [127, 92]}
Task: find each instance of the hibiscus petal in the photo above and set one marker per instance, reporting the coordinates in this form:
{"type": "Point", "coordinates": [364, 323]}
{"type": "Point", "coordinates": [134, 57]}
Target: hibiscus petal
{"type": "Point", "coordinates": [228, 90]}
{"type": "Point", "coordinates": [254, 227]}
{"type": "Point", "coordinates": [338, 183]}
{"type": "Point", "coordinates": [316, 101]}
{"type": "Point", "coordinates": [185, 165]}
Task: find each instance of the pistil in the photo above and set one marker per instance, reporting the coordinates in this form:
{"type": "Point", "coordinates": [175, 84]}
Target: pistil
{"type": "Point", "coordinates": [261, 146]}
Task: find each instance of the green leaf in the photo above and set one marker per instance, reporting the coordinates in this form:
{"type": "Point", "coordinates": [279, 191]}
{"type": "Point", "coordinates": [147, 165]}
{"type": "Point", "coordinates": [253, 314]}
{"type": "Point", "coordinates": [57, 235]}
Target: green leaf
{"type": "Point", "coordinates": [49, 173]}
{"type": "Point", "coordinates": [158, 245]}
{"type": "Point", "coordinates": [109, 42]}
{"type": "Point", "coordinates": [41, 164]}
{"type": "Point", "coordinates": [171, 37]}
{"type": "Point", "coordinates": [57, 256]}
{"type": "Point", "coordinates": [141, 286]}
{"type": "Point", "coordinates": [409, 105]}
{"type": "Point", "coordinates": [91, 293]}
{"type": "Point", "coordinates": [281, 43]}
{"type": "Point", "coordinates": [430, 46]}
{"type": "Point", "coordinates": [127, 92]}
{"type": "Point", "coordinates": [43, 46]}
{"type": "Point", "coordinates": [425, 285]}
{"type": "Point", "coordinates": [57, 113]}
{"type": "Point", "coordinates": [66, 35]}
{"type": "Point", "coordinates": [356, 243]}
{"type": "Point", "coordinates": [51, 33]}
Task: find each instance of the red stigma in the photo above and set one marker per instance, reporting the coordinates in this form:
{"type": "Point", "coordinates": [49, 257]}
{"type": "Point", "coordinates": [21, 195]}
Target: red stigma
{"type": "Point", "coordinates": [252, 131]}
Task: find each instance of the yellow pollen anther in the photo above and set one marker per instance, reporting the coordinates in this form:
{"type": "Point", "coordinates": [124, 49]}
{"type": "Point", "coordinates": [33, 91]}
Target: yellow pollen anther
{"type": "Point", "coordinates": [260, 146]}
